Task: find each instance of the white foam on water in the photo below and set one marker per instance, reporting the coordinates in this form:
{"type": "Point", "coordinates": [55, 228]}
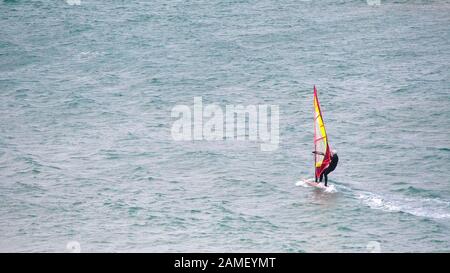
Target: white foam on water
{"type": "Point", "coordinates": [331, 189]}
{"type": "Point", "coordinates": [422, 207]}
{"type": "Point", "coordinates": [428, 207]}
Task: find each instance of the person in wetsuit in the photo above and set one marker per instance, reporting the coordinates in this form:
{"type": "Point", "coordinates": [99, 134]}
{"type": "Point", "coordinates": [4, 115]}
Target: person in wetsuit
{"type": "Point", "coordinates": [333, 163]}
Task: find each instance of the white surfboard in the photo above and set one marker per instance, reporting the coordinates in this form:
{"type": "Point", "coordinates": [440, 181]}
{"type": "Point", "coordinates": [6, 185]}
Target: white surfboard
{"type": "Point", "coordinates": [314, 184]}
{"type": "Point", "coordinates": [310, 183]}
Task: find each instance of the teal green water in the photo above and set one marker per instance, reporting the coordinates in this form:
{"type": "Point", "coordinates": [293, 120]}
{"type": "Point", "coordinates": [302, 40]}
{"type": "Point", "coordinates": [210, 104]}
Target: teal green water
{"type": "Point", "coordinates": [86, 152]}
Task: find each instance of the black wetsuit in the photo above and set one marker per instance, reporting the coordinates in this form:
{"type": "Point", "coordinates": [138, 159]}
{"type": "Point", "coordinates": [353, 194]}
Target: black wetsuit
{"type": "Point", "coordinates": [331, 167]}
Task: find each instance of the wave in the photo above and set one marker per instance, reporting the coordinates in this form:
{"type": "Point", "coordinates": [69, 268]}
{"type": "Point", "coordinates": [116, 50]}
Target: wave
{"type": "Point", "coordinates": [413, 191]}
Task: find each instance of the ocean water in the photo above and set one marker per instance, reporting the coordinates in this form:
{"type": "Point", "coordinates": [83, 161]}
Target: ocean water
{"type": "Point", "coordinates": [86, 152]}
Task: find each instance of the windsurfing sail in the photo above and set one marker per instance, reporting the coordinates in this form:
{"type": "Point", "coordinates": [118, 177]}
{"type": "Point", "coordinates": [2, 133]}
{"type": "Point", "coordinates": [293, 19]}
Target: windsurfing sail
{"type": "Point", "coordinates": [322, 155]}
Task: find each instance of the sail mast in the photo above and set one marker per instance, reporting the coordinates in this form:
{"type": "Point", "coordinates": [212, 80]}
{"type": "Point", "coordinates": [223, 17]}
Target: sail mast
{"type": "Point", "coordinates": [322, 155]}
{"type": "Point", "coordinates": [314, 139]}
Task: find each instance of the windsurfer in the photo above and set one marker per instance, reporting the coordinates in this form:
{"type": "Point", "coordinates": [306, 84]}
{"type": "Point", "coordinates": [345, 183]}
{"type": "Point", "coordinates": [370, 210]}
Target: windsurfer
{"type": "Point", "coordinates": [333, 163]}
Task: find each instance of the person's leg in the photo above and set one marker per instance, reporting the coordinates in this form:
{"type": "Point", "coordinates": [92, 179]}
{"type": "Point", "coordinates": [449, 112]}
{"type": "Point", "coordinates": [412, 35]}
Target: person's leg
{"type": "Point", "coordinates": [321, 177]}
{"type": "Point", "coordinates": [315, 178]}
{"type": "Point", "coordinates": [326, 173]}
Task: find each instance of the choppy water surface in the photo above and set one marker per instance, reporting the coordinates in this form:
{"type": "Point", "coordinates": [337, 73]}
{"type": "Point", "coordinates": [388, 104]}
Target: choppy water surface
{"type": "Point", "coordinates": [86, 152]}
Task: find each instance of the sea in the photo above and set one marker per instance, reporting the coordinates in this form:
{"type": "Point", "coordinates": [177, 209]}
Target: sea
{"type": "Point", "coordinates": [89, 163]}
